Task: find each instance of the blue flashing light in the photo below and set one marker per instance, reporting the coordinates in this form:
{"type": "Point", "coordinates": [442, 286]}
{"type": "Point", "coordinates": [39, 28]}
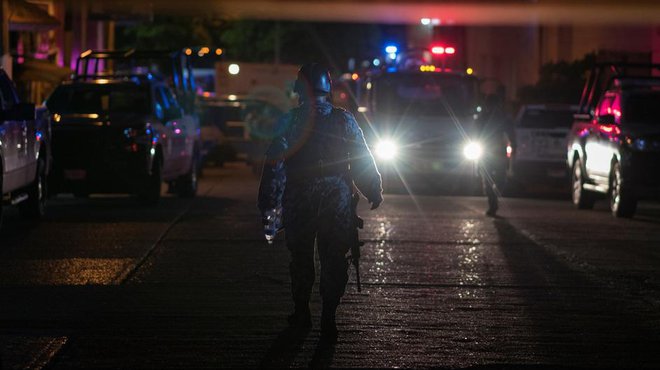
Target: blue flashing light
{"type": "Point", "coordinates": [391, 69]}
{"type": "Point", "coordinates": [391, 49]}
{"type": "Point", "coordinates": [376, 62]}
{"type": "Point", "coordinates": [392, 56]}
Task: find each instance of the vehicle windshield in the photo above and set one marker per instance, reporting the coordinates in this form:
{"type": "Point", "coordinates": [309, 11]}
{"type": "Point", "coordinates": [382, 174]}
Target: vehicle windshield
{"type": "Point", "coordinates": [424, 94]}
{"type": "Point", "coordinates": [642, 108]}
{"type": "Point", "coordinates": [546, 118]}
{"type": "Point", "coordinates": [110, 98]}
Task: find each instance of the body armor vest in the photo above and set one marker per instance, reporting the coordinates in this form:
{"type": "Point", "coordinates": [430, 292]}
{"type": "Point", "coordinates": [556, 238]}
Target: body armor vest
{"type": "Point", "coordinates": [317, 145]}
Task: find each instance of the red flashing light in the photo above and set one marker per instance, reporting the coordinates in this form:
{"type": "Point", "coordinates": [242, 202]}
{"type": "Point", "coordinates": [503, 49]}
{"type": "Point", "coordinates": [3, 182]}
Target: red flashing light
{"type": "Point", "coordinates": [611, 129]}
{"type": "Point", "coordinates": [438, 50]}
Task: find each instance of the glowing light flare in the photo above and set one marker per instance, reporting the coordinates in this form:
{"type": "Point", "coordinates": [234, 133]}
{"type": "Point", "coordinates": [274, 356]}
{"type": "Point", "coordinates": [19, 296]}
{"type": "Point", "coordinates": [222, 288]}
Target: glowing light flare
{"type": "Point", "coordinates": [469, 71]}
{"type": "Point", "coordinates": [188, 51]}
{"type": "Point", "coordinates": [425, 21]}
{"type": "Point", "coordinates": [355, 76]}
{"type": "Point", "coordinates": [610, 129]}
{"type": "Point", "coordinates": [438, 50]}
{"type": "Point", "coordinates": [387, 150]}
{"type": "Point", "coordinates": [391, 49]}
{"type": "Point", "coordinates": [218, 51]}
{"type": "Point", "coordinates": [234, 69]}
{"type": "Point", "coordinates": [472, 151]}
{"type": "Point", "coordinates": [450, 50]}
{"type": "Point", "coordinates": [509, 151]}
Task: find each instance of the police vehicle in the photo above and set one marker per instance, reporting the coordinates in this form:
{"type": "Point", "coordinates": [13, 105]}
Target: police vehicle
{"type": "Point", "coordinates": [419, 119]}
{"type": "Point", "coordinates": [122, 131]}
{"type": "Point", "coordinates": [614, 143]}
{"type": "Point", "coordinates": [24, 152]}
{"type": "Point", "coordinates": [540, 143]}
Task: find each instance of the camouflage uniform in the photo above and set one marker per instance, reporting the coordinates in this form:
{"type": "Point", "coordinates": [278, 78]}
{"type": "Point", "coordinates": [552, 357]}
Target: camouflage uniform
{"type": "Point", "coordinates": [307, 172]}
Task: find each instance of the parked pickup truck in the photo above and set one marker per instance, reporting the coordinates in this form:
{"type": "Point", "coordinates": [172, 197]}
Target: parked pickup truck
{"type": "Point", "coordinates": [614, 144]}
{"type": "Point", "coordinates": [24, 152]}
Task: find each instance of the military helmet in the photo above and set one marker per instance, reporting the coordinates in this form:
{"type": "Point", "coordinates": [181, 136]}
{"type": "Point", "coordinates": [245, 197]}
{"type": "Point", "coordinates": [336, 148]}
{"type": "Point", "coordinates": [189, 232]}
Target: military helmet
{"type": "Point", "coordinates": [313, 77]}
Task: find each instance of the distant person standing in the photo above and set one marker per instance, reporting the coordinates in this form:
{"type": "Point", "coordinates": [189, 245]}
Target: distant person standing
{"type": "Point", "coordinates": [318, 155]}
{"type": "Point", "coordinates": [494, 134]}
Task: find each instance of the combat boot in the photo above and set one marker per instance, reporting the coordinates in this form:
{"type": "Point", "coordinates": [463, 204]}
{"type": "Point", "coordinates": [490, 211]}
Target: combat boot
{"type": "Point", "coordinates": [329, 323]}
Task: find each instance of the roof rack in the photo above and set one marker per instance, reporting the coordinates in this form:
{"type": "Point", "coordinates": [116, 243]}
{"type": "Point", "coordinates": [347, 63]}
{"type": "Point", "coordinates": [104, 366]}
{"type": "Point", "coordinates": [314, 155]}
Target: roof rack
{"type": "Point", "coordinates": [94, 63]}
{"type": "Point", "coordinates": [604, 73]}
{"type": "Point", "coordinates": [102, 75]}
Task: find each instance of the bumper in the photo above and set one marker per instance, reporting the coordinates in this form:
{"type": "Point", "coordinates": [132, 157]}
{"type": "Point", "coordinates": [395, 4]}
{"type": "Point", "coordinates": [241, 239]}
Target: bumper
{"type": "Point", "coordinates": [100, 168]}
{"type": "Point", "coordinates": [538, 170]}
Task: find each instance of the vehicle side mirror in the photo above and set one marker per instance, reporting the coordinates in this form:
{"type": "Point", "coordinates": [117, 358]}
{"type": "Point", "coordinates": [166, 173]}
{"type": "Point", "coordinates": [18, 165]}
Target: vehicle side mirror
{"type": "Point", "coordinates": [606, 119]}
{"type": "Point", "coordinates": [19, 112]}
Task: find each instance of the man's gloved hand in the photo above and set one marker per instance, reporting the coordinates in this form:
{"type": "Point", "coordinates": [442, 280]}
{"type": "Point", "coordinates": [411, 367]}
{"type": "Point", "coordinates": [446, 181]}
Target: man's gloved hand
{"type": "Point", "coordinates": [376, 202]}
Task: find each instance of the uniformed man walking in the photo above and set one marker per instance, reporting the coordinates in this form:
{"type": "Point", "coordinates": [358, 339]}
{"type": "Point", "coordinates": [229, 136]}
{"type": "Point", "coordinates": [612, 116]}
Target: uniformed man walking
{"type": "Point", "coordinates": [318, 155]}
{"type": "Point", "coordinates": [494, 134]}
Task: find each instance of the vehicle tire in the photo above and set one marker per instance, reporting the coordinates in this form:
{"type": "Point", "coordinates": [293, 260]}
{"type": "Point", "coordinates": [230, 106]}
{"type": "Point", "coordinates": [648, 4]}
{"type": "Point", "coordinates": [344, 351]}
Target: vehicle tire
{"type": "Point", "coordinates": [199, 161]}
{"type": "Point", "coordinates": [582, 198]}
{"type": "Point", "coordinates": [150, 193]}
{"type": "Point", "coordinates": [186, 185]}
{"type": "Point", "coordinates": [623, 202]}
{"type": "Point", "coordinates": [35, 206]}
{"type": "Point", "coordinates": [1, 194]}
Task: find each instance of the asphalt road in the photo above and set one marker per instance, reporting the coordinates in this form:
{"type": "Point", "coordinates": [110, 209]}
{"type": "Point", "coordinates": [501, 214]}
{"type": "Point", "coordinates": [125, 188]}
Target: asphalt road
{"type": "Point", "coordinates": [107, 283]}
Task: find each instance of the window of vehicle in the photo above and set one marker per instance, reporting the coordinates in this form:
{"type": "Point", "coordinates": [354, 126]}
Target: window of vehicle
{"type": "Point", "coordinates": [546, 118]}
{"type": "Point", "coordinates": [168, 102]}
{"type": "Point", "coordinates": [610, 104]}
{"type": "Point", "coordinates": [424, 94]}
{"type": "Point", "coordinates": [89, 98]}
{"type": "Point", "coordinates": [642, 108]}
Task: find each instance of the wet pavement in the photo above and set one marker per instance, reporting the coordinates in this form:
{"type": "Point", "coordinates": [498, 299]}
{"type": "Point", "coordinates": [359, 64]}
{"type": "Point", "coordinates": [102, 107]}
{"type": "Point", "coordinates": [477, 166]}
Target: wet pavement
{"type": "Point", "coordinates": [106, 283]}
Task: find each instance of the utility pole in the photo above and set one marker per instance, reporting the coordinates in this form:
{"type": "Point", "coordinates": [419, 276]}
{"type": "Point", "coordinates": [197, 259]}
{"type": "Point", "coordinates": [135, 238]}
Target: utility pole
{"type": "Point", "coordinates": [4, 48]}
{"type": "Point", "coordinates": [278, 46]}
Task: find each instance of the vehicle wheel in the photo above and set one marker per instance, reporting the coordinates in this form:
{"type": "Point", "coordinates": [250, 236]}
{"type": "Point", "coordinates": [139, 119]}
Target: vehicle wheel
{"type": "Point", "coordinates": [150, 194]}
{"type": "Point", "coordinates": [1, 194]}
{"type": "Point", "coordinates": [186, 185]}
{"type": "Point", "coordinates": [199, 162]}
{"type": "Point", "coordinates": [622, 199]}
{"type": "Point", "coordinates": [582, 198]}
{"type": "Point", "coordinates": [35, 206]}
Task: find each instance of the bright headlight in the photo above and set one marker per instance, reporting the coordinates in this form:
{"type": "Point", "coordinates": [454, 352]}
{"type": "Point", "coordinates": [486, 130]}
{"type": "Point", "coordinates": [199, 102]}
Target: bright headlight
{"type": "Point", "coordinates": [386, 149]}
{"type": "Point", "coordinates": [472, 151]}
